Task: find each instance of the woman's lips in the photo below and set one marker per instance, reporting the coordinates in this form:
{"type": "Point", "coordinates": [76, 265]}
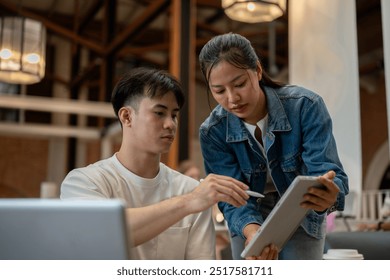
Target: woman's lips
{"type": "Point", "coordinates": [238, 108]}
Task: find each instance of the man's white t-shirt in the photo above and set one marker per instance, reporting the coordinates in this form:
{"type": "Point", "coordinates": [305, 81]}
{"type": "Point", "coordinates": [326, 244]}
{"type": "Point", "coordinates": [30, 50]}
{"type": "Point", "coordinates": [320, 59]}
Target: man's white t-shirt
{"type": "Point", "coordinates": [191, 238]}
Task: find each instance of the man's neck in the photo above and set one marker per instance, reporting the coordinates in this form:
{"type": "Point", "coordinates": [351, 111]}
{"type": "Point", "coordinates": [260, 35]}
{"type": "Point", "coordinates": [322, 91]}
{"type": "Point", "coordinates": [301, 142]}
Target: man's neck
{"type": "Point", "coordinates": [145, 166]}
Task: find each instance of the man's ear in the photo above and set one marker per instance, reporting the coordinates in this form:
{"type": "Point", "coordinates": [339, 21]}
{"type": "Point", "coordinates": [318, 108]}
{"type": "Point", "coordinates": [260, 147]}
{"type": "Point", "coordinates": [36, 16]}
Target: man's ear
{"type": "Point", "coordinates": [124, 115]}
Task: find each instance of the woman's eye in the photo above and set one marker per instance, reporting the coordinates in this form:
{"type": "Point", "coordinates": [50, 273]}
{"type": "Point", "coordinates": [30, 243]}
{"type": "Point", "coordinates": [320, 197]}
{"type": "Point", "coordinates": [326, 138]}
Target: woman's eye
{"type": "Point", "coordinates": [159, 113]}
{"type": "Point", "coordinates": [240, 85]}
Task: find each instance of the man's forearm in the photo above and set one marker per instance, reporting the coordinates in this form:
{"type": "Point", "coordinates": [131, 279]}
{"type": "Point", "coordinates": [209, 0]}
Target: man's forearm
{"type": "Point", "coordinates": [145, 223]}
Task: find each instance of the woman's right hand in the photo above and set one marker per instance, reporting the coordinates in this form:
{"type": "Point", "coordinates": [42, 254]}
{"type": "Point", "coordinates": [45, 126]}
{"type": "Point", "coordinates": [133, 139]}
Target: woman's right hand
{"type": "Point", "coordinates": [270, 252]}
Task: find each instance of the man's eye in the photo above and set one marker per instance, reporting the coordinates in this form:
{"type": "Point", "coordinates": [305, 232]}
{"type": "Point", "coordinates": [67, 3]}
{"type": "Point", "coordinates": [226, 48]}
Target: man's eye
{"type": "Point", "coordinates": [159, 113]}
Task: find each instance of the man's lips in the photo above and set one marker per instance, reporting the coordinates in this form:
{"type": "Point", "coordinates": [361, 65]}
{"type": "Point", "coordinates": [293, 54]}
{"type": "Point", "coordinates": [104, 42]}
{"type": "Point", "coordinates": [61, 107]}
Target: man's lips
{"type": "Point", "coordinates": [169, 137]}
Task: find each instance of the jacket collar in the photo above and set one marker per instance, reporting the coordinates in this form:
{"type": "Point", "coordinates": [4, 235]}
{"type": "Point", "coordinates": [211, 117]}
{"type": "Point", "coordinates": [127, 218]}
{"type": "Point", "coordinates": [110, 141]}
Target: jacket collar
{"type": "Point", "coordinates": [278, 120]}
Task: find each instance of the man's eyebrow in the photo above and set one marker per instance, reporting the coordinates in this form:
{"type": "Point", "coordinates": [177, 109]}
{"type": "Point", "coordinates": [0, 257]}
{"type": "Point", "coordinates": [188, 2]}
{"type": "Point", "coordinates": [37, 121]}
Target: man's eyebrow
{"type": "Point", "coordinates": [162, 106]}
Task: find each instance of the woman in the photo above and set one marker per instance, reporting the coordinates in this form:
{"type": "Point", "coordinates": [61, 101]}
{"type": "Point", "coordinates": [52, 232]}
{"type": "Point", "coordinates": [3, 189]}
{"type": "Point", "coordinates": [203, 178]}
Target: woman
{"type": "Point", "coordinates": [264, 134]}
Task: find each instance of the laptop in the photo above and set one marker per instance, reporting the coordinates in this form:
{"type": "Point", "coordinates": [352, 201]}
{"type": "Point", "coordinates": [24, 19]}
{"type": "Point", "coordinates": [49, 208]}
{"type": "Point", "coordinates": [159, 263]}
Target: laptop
{"type": "Point", "coordinates": [54, 229]}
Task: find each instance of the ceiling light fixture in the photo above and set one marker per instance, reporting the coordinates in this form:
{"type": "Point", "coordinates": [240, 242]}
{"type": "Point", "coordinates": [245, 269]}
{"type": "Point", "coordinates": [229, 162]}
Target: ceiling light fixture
{"type": "Point", "coordinates": [22, 50]}
{"type": "Point", "coordinates": [252, 11]}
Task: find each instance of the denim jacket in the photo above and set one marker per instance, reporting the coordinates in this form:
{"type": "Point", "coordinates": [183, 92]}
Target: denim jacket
{"type": "Point", "coordinates": [299, 141]}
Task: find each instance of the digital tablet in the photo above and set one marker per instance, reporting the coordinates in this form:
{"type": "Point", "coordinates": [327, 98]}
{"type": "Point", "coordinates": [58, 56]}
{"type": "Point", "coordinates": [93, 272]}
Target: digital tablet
{"type": "Point", "coordinates": [284, 218]}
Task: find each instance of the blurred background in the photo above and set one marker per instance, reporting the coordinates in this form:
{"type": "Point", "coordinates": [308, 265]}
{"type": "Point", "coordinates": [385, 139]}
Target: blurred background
{"type": "Point", "coordinates": [56, 116]}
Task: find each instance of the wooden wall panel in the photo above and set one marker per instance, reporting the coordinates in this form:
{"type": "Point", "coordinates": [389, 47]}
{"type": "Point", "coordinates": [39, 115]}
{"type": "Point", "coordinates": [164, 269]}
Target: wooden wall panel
{"type": "Point", "coordinates": [23, 166]}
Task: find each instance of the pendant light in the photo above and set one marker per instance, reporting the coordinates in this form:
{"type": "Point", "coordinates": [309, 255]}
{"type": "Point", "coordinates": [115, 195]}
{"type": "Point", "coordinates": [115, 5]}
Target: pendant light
{"type": "Point", "coordinates": [22, 50]}
{"type": "Point", "coordinates": [252, 11]}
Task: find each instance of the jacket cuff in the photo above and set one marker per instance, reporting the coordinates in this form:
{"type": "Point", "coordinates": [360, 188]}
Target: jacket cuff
{"type": "Point", "coordinates": [238, 227]}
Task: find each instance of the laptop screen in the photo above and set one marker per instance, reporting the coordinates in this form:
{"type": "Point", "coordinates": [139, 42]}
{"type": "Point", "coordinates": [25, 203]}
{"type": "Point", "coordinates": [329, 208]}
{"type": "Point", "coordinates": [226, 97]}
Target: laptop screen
{"type": "Point", "coordinates": [47, 229]}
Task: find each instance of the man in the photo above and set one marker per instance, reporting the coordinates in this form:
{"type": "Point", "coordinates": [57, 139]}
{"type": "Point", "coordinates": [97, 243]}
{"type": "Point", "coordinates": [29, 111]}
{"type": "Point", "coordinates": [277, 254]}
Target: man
{"type": "Point", "coordinates": [168, 213]}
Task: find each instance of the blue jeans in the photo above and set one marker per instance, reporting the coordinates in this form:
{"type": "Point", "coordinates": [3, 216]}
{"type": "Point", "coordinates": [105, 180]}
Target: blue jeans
{"type": "Point", "coordinates": [301, 246]}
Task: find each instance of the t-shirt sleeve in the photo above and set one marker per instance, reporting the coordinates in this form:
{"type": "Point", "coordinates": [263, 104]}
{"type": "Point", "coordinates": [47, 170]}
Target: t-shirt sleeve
{"type": "Point", "coordinates": [78, 185]}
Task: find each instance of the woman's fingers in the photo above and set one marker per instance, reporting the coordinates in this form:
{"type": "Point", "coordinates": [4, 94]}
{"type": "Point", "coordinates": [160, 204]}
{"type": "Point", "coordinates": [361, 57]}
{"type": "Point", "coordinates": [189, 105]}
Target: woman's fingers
{"type": "Point", "coordinates": [320, 199]}
{"type": "Point", "coordinates": [269, 253]}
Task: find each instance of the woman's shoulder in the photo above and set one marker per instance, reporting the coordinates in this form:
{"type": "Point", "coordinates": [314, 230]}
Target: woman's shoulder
{"type": "Point", "coordinates": [216, 116]}
{"type": "Point", "coordinates": [296, 91]}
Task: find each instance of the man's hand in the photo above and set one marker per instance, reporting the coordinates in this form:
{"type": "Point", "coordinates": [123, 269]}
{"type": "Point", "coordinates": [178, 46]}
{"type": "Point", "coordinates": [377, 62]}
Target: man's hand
{"type": "Point", "coordinates": [215, 188]}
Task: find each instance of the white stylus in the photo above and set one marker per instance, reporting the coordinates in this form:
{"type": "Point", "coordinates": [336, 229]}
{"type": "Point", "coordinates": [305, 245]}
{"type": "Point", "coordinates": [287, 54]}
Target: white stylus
{"type": "Point", "coordinates": [251, 193]}
{"type": "Point", "coordinates": [254, 194]}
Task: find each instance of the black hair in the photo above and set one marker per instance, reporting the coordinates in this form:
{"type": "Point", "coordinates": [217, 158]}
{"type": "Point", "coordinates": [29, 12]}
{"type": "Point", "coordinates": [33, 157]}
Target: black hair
{"type": "Point", "coordinates": [234, 49]}
{"type": "Point", "coordinates": [144, 82]}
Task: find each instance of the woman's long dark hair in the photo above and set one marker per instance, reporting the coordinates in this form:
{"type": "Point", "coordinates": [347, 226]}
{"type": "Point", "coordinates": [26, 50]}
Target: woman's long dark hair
{"type": "Point", "coordinates": [236, 50]}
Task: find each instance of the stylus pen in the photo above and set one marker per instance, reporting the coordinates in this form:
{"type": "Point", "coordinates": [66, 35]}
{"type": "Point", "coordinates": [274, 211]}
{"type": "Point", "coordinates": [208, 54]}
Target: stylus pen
{"type": "Point", "coordinates": [254, 194]}
{"type": "Point", "coordinates": [249, 192]}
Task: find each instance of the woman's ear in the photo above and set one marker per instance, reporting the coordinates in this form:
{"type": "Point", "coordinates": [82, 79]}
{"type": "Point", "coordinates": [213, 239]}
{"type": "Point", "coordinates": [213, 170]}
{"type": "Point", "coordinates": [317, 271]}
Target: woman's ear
{"type": "Point", "coordinates": [259, 71]}
{"type": "Point", "coordinates": [124, 115]}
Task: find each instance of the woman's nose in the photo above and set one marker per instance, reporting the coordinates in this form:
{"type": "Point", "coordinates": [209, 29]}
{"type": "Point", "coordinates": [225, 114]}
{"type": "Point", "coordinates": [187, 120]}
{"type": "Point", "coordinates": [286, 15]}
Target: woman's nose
{"type": "Point", "coordinates": [233, 97]}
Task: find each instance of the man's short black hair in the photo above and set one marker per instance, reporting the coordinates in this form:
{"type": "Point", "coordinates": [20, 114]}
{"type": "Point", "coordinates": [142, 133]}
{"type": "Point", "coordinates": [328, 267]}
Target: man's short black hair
{"type": "Point", "coordinates": [145, 82]}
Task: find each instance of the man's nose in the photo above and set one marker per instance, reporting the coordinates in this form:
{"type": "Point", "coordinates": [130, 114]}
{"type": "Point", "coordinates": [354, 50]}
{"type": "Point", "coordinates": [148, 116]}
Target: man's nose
{"type": "Point", "coordinates": [170, 123]}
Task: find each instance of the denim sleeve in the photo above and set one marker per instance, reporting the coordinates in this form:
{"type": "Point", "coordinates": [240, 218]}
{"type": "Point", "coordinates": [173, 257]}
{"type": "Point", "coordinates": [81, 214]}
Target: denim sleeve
{"type": "Point", "coordinates": [220, 159]}
{"type": "Point", "coordinates": [319, 147]}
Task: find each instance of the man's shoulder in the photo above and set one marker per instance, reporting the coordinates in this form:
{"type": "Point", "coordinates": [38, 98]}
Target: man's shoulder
{"type": "Point", "coordinates": [89, 182]}
{"type": "Point", "coordinates": [93, 170]}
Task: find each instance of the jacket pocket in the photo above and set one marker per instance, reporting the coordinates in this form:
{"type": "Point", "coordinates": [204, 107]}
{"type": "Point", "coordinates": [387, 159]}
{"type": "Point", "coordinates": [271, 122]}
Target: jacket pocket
{"type": "Point", "coordinates": [293, 166]}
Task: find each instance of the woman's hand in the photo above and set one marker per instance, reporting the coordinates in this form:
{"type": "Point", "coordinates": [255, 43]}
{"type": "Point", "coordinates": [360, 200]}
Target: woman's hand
{"type": "Point", "coordinates": [320, 199]}
{"type": "Point", "coordinates": [270, 252]}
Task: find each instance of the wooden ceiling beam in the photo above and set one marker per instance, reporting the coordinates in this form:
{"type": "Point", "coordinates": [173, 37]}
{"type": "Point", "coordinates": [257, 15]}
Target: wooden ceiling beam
{"type": "Point", "coordinates": [151, 12]}
{"type": "Point", "coordinates": [209, 28]}
{"type": "Point", "coordinates": [58, 105]}
{"type": "Point", "coordinates": [91, 13]}
{"type": "Point", "coordinates": [162, 47]}
{"type": "Point", "coordinates": [209, 4]}
{"type": "Point", "coordinates": [86, 73]}
{"type": "Point", "coordinates": [54, 27]}
{"type": "Point", "coordinates": [45, 131]}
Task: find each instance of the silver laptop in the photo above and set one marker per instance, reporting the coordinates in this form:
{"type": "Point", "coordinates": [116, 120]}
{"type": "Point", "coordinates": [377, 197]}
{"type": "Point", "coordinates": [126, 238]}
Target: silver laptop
{"type": "Point", "coordinates": [47, 229]}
